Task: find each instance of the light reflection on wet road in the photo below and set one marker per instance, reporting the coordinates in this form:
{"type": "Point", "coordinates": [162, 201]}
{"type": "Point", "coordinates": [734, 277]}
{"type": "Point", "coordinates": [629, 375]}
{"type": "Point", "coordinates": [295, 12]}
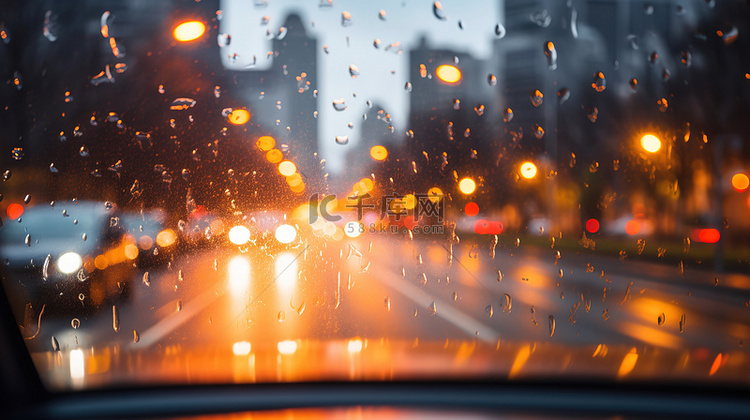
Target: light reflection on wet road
{"type": "Point", "coordinates": [312, 292]}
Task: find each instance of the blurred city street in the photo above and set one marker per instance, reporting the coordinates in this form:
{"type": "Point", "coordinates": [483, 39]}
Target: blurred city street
{"type": "Point", "coordinates": [226, 297]}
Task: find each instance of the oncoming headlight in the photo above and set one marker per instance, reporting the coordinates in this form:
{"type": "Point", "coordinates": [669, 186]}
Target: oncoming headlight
{"type": "Point", "coordinates": [69, 262]}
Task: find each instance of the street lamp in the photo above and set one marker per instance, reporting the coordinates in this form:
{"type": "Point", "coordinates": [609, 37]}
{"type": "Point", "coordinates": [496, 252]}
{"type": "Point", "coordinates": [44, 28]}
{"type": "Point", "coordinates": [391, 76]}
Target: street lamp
{"type": "Point", "coordinates": [650, 143]}
{"type": "Point", "coordinates": [467, 186]}
{"type": "Point", "coordinates": [528, 170]}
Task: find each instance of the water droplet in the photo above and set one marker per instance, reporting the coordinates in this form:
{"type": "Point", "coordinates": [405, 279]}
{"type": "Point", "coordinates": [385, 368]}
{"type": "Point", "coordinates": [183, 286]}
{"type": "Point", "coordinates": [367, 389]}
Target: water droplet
{"type": "Point", "coordinates": [346, 19]}
{"type": "Point", "coordinates": [115, 318]}
{"type": "Point", "coordinates": [354, 72]}
{"type": "Point", "coordinates": [536, 97]}
{"type": "Point", "coordinates": [500, 31]}
{"type": "Point", "coordinates": [136, 336]}
{"type": "Point", "coordinates": [437, 10]}
{"type": "Point", "coordinates": [281, 34]}
{"type": "Point", "coordinates": [433, 308]}
{"type": "Point", "coordinates": [223, 40]}
{"type": "Point", "coordinates": [179, 305]}
{"type": "Point", "coordinates": [17, 153]}
{"type": "Point", "coordinates": [541, 18]}
{"type": "Point", "coordinates": [551, 53]}
{"type": "Point", "coordinates": [599, 83]}
{"type": "Point", "coordinates": [686, 58]}
{"type": "Point", "coordinates": [507, 115]}
{"type": "Point", "coordinates": [342, 140]}
{"type": "Point", "coordinates": [104, 76]}
{"type": "Point", "coordinates": [592, 114]}
{"type": "Point", "coordinates": [660, 320]}
{"type": "Point", "coordinates": [52, 168]}
{"type": "Point", "coordinates": [682, 323]}
{"type": "Point", "coordinates": [146, 280]}
{"type": "Point", "coordinates": [489, 310]}
{"type": "Point", "coordinates": [387, 303]}
{"type": "Point", "coordinates": [663, 104]}
{"type": "Point", "coordinates": [507, 304]}
{"type": "Point", "coordinates": [45, 267]}
{"type": "Point", "coordinates": [479, 109]}
{"type": "Point", "coordinates": [666, 74]}
{"type": "Point", "coordinates": [408, 87]}
{"type": "Point", "coordinates": [50, 27]}
{"type": "Point", "coordinates": [551, 325]}
{"type": "Point", "coordinates": [281, 316]}
{"type": "Point", "coordinates": [27, 239]}
{"type": "Point", "coordinates": [499, 276]}
{"type": "Point", "coordinates": [55, 344]}
{"type": "Point", "coordinates": [339, 104]}
{"type": "Point", "coordinates": [492, 80]}
{"type": "Point", "coordinates": [376, 43]}
{"type": "Point", "coordinates": [652, 57]}
{"type": "Point", "coordinates": [180, 104]}
{"type": "Point", "coordinates": [538, 131]}
{"type": "Point", "coordinates": [75, 323]}
{"type": "Point", "coordinates": [563, 95]}
{"type": "Point", "coordinates": [648, 9]}
{"type": "Point", "coordinates": [634, 83]}
{"type": "Point", "coordinates": [730, 35]}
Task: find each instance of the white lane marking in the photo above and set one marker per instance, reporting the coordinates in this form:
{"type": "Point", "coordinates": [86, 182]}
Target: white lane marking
{"type": "Point", "coordinates": [175, 319]}
{"type": "Point", "coordinates": [444, 310]}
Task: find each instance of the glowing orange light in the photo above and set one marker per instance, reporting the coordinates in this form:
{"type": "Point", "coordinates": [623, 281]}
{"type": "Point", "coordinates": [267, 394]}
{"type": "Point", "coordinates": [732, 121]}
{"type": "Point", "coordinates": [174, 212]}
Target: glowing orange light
{"type": "Point", "coordinates": [715, 365]}
{"type": "Point", "coordinates": [471, 209]}
{"type": "Point", "coordinates": [14, 211]}
{"type": "Point", "coordinates": [287, 168]}
{"type": "Point", "coordinates": [166, 237]}
{"type": "Point", "coordinates": [592, 225]}
{"type": "Point", "coordinates": [239, 117]}
{"type": "Point", "coordinates": [467, 186]}
{"type": "Point", "coordinates": [265, 143]}
{"type": "Point", "coordinates": [528, 170]}
{"type": "Point", "coordinates": [632, 227]}
{"type": "Point", "coordinates": [274, 156]}
{"type": "Point", "coordinates": [740, 182]}
{"type": "Point", "coordinates": [379, 152]}
{"type": "Point", "coordinates": [650, 143]}
{"type": "Point", "coordinates": [188, 31]}
{"type": "Point", "coordinates": [448, 74]}
{"type": "Point", "coordinates": [628, 363]}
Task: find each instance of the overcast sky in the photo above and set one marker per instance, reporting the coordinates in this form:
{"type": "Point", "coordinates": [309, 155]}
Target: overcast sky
{"type": "Point", "coordinates": [405, 22]}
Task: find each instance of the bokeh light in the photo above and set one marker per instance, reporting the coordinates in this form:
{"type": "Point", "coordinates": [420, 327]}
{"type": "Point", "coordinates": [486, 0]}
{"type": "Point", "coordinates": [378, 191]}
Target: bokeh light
{"type": "Point", "coordinates": [239, 235]}
{"type": "Point", "coordinates": [274, 156]}
{"type": "Point", "coordinates": [650, 143]}
{"type": "Point", "coordinates": [287, 168]}
{"type": "Point", "coordinates": [592, 225]}
{"type": "Point", "coordinates": [14, 211]}
{"type": "Point", "coordinates": [740, 182]}
{"type": "Point", "coordinates": [471, 209]}
{"type": "Point", "coordinates": [528, 170]}
{"type": "Point", "coordinates": [265, 143]}
{"type": "Point", "coordinates": [632, 227]}
{"type": "Point", "coordinates": [189, 31]}
{"type": "Point", "coordinates": [286, 234]}
{"type": "Point", "coordinates": [467, 186]}
{"type": "Point", "coordinates": [378, 152]}
{"type": "Point", "coordinates": [239, 117]}
{"type": "Point", "coordinates": [448, 74]}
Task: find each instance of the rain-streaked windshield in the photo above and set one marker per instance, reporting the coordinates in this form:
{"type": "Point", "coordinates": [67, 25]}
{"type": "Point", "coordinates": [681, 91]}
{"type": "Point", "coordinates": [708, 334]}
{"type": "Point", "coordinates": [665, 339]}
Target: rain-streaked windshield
{"type": "Point", "coordinates": [234, 191]}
